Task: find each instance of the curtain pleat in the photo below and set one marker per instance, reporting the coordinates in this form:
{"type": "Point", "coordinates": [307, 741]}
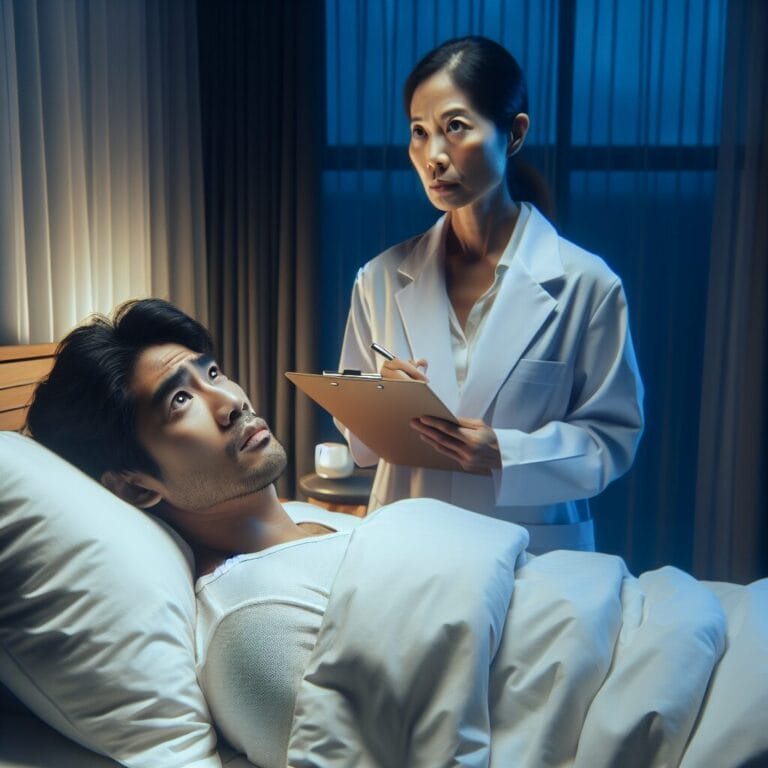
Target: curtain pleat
{"type": "Point", "coordinates": [14, 315]}
{"type": "Point", "coordinates": [262, 90]}
{"type": "Point", "coordinates": [101, 171]}
{"type": "Point", "coordinates": [731, 534]}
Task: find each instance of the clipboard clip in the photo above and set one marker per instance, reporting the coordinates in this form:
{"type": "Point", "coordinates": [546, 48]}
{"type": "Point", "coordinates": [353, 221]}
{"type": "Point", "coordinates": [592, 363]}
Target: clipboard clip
{"type": "Point", "coordinates": [353, 372]}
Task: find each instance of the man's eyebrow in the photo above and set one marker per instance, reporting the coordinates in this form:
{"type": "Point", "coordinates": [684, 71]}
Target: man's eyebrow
{"type": "Point", "coordinates": [179, 377]}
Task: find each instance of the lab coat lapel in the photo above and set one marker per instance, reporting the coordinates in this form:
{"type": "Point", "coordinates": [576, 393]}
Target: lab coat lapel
{"type": "Point", "coordinates": [423, 306]}
{"type": "Point", "coordinates": [521, 307]}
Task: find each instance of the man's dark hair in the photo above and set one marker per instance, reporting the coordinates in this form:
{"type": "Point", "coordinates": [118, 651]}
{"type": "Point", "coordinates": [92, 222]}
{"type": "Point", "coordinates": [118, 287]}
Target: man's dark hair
{"type": "Point", "coordinates": [85, 410]}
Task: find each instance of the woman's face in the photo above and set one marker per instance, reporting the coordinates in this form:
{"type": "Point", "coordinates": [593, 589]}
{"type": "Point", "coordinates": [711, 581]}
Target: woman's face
{"type": "Point", "coordinates": [460, 155]}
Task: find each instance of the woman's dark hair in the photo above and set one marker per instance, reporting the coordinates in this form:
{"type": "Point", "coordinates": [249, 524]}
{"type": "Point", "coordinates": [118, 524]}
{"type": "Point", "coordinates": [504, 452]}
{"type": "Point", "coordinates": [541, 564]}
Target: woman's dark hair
{"type": "Point", "coordinates": [85, 410]}
{"type": "Point", "coordinates": [487, 73]}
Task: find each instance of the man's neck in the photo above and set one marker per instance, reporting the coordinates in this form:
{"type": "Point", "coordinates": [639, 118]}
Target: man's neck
{"type": "Point", "coordinates": [246, 524]}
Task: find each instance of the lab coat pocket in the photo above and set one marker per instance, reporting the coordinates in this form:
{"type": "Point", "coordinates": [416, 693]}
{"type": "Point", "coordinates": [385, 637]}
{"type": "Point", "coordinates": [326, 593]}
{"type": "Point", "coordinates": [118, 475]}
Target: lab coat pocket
{"type": "Point", "coordinates": [535, 392]}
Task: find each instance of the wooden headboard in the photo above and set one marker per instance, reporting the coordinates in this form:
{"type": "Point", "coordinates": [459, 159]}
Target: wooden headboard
{"type": "Point", "coordinates": [21, 367]}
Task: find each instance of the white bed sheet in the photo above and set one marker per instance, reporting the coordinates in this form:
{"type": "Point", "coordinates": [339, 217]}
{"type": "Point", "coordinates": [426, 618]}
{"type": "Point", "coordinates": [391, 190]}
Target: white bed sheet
{"type": "Point", "coordinates": [28, 742]}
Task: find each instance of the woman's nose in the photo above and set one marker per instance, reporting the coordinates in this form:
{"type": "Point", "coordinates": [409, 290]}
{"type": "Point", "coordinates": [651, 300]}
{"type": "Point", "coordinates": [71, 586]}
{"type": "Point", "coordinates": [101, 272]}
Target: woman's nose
{"type": "Point", "coordinates": [437, 159]}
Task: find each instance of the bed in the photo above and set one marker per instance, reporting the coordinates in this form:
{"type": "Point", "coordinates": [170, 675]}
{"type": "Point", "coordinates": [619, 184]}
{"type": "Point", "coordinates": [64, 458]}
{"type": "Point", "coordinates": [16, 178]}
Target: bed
{"type": "Point", "coordinates": [683, 676]}
{"type": "Point", "coordinates": [27, 740]}
{"type": "Point", "coordinates": [21, 367]}
{"type": "Point", "coordinates": [24, 739]}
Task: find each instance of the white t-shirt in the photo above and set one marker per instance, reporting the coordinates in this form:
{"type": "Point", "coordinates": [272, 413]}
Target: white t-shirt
{"type": "Point", "coordinates": [258, 619]}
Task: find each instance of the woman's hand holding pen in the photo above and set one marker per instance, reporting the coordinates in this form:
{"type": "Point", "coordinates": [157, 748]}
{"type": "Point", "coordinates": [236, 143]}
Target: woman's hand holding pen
{"type": "Point", "coordinates": [471, 442]}
{"type": "Point", "coordinates": [395, 368]}
{"type": "Point", "coordinates": [404, 369]}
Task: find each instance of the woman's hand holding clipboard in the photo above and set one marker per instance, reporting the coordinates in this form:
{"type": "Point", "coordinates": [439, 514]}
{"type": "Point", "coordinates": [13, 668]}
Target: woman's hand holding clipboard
{"type": "Point", "coordinates": [470, 442]}
{"type": "Point", "coordinates": [380, 413]}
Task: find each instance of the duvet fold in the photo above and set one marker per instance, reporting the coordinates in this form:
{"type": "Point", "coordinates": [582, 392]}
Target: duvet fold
{"type": "Point", "coordinates": [444, 644]}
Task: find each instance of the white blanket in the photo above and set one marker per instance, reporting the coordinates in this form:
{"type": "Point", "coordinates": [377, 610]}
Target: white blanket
{"type": "Point", "coordinates": [444, 644]}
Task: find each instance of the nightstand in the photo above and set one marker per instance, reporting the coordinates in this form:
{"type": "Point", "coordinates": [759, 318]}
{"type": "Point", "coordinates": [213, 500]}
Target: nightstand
{"type": "Point", "coordinates": [342, 494]}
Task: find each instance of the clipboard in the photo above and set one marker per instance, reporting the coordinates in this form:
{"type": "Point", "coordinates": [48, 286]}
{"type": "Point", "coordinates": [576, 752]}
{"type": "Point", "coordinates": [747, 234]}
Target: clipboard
{"type": "Point", "coordinates": [378, 412]}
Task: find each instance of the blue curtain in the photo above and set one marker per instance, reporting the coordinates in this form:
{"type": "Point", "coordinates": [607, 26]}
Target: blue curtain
{"type": "Point", "coordinates": [625, 105]}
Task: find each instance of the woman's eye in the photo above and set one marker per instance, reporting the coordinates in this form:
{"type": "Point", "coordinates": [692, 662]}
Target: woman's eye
{"type": "Point", "coordinates": [418, 131]}
{"type": "Point", "coordinates": [455, 126]}
{"type": "Point", "coordinates": [213, 372]}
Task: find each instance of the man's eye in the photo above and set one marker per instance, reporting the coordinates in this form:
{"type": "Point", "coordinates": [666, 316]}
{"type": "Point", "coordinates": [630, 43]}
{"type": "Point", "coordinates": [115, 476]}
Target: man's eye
{"type": "Point", "coordinates": [179, 399]}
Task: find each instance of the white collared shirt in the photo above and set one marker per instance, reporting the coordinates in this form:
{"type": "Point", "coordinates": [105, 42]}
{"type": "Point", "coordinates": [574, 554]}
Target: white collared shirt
{"type": "Point", "coordinates": [463, 341]}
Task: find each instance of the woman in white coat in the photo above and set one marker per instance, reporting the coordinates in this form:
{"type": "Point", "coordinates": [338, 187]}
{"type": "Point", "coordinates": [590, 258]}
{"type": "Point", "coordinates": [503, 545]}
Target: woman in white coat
{"type": "Point", "coordinates": [523, 335]}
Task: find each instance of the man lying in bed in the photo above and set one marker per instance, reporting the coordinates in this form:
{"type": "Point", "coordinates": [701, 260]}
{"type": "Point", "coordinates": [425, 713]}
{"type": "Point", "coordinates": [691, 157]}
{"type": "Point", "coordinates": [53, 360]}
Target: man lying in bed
{"type": "Point", "coordinates": [422, 635]}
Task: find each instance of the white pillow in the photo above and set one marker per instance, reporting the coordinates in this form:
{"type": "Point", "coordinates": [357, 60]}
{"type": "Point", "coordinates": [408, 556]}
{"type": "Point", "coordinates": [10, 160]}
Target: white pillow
{"type": "Point", "coordinates": [97, 614]}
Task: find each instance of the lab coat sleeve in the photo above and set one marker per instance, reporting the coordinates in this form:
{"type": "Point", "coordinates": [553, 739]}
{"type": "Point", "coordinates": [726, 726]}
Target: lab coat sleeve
{"type": "Point", "coordinates": [578, 456]}
{"type": "Point", "coordinates": [356, 354]}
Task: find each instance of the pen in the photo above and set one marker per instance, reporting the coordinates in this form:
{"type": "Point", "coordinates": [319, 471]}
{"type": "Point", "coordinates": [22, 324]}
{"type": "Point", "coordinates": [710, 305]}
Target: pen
{"type": "Point", "coordinates": [382, 351]}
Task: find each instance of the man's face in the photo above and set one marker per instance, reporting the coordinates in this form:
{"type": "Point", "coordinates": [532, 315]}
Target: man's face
{"type": "Point", "coordinates": [200, 429]}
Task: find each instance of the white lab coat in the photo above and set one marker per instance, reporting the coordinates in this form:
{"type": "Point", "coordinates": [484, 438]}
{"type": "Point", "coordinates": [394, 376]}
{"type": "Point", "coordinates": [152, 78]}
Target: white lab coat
{"type": "Point", "coordinates": [553, 372]}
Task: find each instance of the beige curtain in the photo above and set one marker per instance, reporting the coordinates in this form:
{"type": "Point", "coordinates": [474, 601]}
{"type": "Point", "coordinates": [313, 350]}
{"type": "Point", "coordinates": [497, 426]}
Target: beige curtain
{"type": "Point", "coordinates": [731, 539]}
{"type": "Point", "coordinates": [101, 194]}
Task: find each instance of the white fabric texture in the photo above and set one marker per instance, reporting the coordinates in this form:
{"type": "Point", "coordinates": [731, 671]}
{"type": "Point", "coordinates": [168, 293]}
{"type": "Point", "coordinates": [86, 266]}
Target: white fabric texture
{"type": "Point", "coordinates": [258, 619]}
{"type": "Point", "coordinates": [463, 340]}
{"type": "Point", "coordinates": [101, 189]}
{"type": "Point", "coordinates": [486, 658]}
{"type": "Point", "coordinates": [97, 615]}
{"type": "Point", "coordinates": [553, 372]}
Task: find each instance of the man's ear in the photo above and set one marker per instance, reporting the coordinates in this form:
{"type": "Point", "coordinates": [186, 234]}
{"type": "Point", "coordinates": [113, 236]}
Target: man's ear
{"type": "Point", "coordinates": [520, 126]}
{"type": "Point", "coordinates": [127, 486]}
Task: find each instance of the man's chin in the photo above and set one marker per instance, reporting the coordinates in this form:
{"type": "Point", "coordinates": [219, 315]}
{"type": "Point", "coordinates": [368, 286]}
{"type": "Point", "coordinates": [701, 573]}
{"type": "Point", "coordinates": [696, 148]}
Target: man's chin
{"type": "Point", "coordinates": [269, 470]}
{"type": "Point", "coordinates": [200, 492]}
{"type": "Point", "coordinates": [254, 485]}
